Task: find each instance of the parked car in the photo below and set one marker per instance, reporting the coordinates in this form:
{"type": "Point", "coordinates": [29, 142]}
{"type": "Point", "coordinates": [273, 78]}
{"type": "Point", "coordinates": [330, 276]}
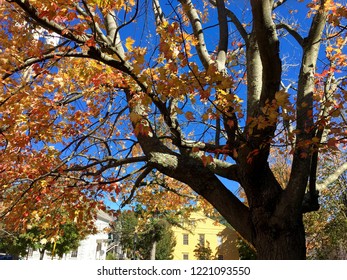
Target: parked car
{"type": "Point", "coordinates": [4, 256]}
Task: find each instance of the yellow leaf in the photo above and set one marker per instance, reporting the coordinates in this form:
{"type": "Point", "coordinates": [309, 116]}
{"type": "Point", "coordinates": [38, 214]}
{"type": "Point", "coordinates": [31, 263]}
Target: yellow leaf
{"type": "Point", "coordinates": [329, 49]}
{"type": "Point", "coordinates": [129, 43]}
{"type": "Point", "coordinates": [222, 92]}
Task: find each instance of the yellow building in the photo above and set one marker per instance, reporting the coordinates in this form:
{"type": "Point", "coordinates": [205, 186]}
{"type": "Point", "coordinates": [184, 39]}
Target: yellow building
{"type": "Point", "coordinates": [207, 232]}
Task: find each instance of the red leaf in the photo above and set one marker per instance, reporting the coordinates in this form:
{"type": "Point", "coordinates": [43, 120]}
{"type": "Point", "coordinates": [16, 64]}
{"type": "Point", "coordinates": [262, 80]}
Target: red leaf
{"type": "Point", "coordinates": [91, 42]}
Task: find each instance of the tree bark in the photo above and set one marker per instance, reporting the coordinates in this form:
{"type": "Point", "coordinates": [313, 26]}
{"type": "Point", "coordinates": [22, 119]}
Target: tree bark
{"type": "Point", "coordinates": [153, 250]}
{"type": "Point", "coordinates": [276, 234]}
{"type": "Point", "coordinates": [279, 238]}
{"type": "Point", "coordinates": [42, 253]}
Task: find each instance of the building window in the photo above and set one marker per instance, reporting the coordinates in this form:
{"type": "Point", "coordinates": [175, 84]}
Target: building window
{"type": "Point", "coordinates": [202, 239]}
{"type": "Point", "coordinates": [98, 247]}
{"type": "Point", "coordinates": [185, 256]}
{"type": "Point", "coordinates": [185, 239]}
{"type": "Point", "coordinates": [220, 257]}
{"type": "Point", "coordinates": [74, 254]}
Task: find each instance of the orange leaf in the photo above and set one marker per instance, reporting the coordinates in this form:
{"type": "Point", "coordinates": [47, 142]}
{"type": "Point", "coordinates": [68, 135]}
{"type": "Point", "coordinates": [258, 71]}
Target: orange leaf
{"type": "Point", "coordinates": [206, 160]}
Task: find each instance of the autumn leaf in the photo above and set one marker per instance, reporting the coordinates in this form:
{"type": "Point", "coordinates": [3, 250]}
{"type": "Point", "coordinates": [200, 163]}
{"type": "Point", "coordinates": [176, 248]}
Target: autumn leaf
{"type": "Point", "coordinates": [281, 98]}
{"type": "Point", "coordinates": [206, 160]}
{"type": "Point", "coordinates": [91, 42]}
{"type": "Point", "coordinates": [96, 108]}
{"type": "Point", "coordinates": [129, 43]}
{"type": "Point", "coordinates": [189, 116]}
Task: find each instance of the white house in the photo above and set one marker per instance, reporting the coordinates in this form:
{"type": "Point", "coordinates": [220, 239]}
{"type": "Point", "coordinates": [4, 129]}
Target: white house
{"type": "Point", "coordinates": [94, 247]}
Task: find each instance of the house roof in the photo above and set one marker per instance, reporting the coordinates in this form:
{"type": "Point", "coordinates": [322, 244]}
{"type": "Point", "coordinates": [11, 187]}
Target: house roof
{"type": "Point", "coordinates": [101, 215]}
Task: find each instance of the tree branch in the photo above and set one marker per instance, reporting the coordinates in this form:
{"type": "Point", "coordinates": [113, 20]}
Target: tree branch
{"type": "Point", "coordinates": [48, 24]}
{"type": "Point", "coordinates": [158, 12]}
{"type": "Point", "coordinates": [332, 177]}
{"type": "Point", "coordinates": [111, 163]}
{"type": "Point", "coordinates": [278, 3]}
{"type": "Point", "coordinates": [302, 159]}
{"type": "Point", "coordinates": [230, 14]}
{"type": "Point", "coordinates": [292, 32]}
{"type": "Point", "coordinates": [195, 21]}
{"type": "Point", "coordinates": [223, 36]}
{"type": "Point", "coordinates": [137, 184]}
{"type": "Point", "coordinates": [266, 45]}
{"type": "Point", "coordinates": [219, 167]}
{"type": "Point", "coordinates": [193, 173]}
{"type": "Point", "coordinates": [32, 61]}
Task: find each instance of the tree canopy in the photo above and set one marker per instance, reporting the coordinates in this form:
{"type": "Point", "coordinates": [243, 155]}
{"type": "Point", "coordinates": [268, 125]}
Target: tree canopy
{"type": "Point", "coordinates": [97, 95]}
{"type": "Point", "coordinates": [56, 233]}
{"type": "Point", "coordinates": [139, 235]}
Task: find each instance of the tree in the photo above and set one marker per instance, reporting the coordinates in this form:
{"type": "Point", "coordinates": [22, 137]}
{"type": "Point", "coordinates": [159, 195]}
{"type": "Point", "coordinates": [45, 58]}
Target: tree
{"type": "Point", "coordinates": [202, 252]}
{"type": "Point", "coordinates": [53, 223]}
{"type": "Point", "coordinates": [18, 244]}
{"type": "Point", "coordinates": [160, 240]}
{"type": "Point", "coordinates": [13, 245]}
{"type": "Point", "coordinates": [157, 231]}
{"type": "Point", "coordinates": [69, 241]}
{"type": "Point", "coordinates": [36, 238]}
{"type": "Point", "coordinates": [246, 252]}
{"type": "Point", "coordinates": [165, 248]}
{"type": "Point", "coordinates": [41, 236]}
{"type": "Point", "coordinates": [86, 102]}
{"type": "Point", "coordinates": [326, 229]}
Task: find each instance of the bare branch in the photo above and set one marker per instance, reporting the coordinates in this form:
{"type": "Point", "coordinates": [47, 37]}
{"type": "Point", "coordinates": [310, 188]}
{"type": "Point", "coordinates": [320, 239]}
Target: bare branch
{"type": "Point", "coordinates": [111, 163]}
{"type": "Point", "coordinates": [137, 184]}
{"type": "Point", "coordinates": [268, 45]}
{"type": "Point", "coordinates": [223, 35]}
{"type": "Point", "coordinates": [34, 60]}
{"type": "Point", "coordinates": [113, 37]}
{"type": "Point", "coordinates": [158, 12]}
{"type": "Point", "coordinates": [195, 21]}
{"type": "Point", "coordinates": [292, 32]}
{"type": "Point", "coordinates": [265, 65]}
{"type": "Point", "coordinates": [332, 177]}
{"type": "Point", "coordinates": [48, 24]}
{"type": "Point", "coordinates": [199, 145]}
{"type": "Point", "coordinates": [254, 76]}
{"type": "Point", "coordinates": [126, 23]}
{"type": "Point", "coordinates": [278, 3]}
{"type": "Point", "coordinates": [230, 14]}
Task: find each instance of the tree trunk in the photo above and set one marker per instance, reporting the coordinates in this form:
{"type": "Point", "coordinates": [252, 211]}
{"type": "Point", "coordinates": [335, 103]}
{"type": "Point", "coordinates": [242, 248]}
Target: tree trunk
{"type": "Point", "coordinates": [42, 253]}
{"type": "Point", "coordinates": [278, 229]}
{"type": "Point", "coordinates": [153, 250]}
{"type": "Point", "coordinates": [283, 239]}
